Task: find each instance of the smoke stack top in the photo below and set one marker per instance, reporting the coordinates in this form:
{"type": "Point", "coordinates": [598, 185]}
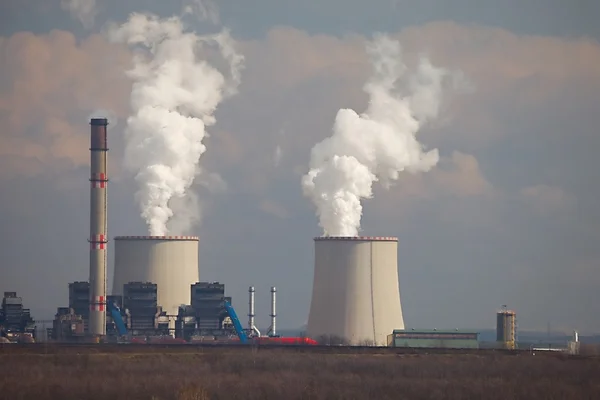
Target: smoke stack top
{"type": "Point", "coordinates": [376, 145]}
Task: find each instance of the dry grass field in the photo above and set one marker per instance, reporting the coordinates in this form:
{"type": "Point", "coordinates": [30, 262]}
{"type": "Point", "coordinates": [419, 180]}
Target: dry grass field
{"type": "Point", "coordinates": [196, 373]}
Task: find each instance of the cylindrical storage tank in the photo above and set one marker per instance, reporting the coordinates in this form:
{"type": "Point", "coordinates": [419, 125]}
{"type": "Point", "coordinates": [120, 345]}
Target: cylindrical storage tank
{"type": "Point", "coordinates": [506, 328]}
{"type": "Point", "coordinates": [355, 294]}
{"type": "Point", "coordinates": [171, 262]}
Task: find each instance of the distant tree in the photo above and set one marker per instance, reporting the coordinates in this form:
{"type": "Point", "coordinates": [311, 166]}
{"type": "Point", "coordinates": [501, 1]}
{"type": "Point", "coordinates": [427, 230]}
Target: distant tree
{"type": "Point", "coordinates": [366, 342]}
{"type": "Point", "coordinates": [332, 340]}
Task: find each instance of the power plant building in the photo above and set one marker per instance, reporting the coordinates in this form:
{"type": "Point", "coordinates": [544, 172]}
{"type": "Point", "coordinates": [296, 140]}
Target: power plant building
{"type": "Point", "coordinates": [434, 339]}
{"type": "Point", "coordinates": [170, 262]}
{"type": "Point", "coordinates": [355, 294]}
{"type": "Point", "coordinates": [14, 317]}
{"type": "Point", "coordinates": [79, 301]}
{"type": "Point", "coordinates": [140, 301]}
{"type": "Point", "coordinates": [208, 302]}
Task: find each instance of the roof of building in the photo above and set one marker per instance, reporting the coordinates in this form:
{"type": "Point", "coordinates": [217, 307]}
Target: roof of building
{"type": "Point", "coordinates": [446, 331]}
{"type": "Point", "coordinates": [359, 238]}
{"type": "Point", "coordinates": [156, 238]}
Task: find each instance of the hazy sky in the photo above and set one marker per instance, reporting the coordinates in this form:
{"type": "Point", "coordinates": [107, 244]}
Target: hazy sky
{"type": "Point", "coordinates": [509, 216]}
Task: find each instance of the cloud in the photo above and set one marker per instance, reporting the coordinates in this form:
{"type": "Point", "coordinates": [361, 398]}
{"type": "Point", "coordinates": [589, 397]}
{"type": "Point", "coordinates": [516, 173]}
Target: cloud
{"type": "Point", "coordinates": [547, 199]}
{"type": "Point", "coordinates": [83, 10]}
{"type": "Point", "coordinates": [460, 176]}
{"type": "Point", "coordinates": [203, 9]}
{"type": "Point", "coordinates": [529, 70]}
{"type": "Point", "coordinates": [277, 154]}
{"type": "Point", "coordinates": [273, 208]}
{"type": "Point", "coordinates": [49, 87]}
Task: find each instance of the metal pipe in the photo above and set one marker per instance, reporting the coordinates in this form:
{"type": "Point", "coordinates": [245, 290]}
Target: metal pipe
{"type": "Point", "coordinates": [98, 226]}
{"type": "Point", "coordinates": [273, 311]}
{"type": "Point", "coordinates": [255, 330]}
{"type": "Point", "coordinates": [251, 308]}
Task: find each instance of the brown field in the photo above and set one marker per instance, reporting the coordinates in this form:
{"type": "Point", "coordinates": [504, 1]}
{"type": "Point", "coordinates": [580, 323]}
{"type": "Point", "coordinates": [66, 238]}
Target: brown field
{"type": "Point", "coordinates": [186, 372]}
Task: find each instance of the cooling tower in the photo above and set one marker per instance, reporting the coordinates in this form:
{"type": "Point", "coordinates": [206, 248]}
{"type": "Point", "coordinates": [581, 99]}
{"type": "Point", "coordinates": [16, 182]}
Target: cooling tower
{"type": "Point", "coordinates": [355, 289]}
{"type": "Point", "coordinates": [171, 262]}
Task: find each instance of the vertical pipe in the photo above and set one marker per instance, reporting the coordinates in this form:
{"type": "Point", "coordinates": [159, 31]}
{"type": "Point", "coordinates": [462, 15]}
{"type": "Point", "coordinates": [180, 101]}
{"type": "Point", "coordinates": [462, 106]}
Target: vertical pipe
{"type": "Point", "coordinates": [98, 226]}
{"type": "Point", "coordinates": [273, 311]}
{"type": "Point", "coordinates": [251, 307]}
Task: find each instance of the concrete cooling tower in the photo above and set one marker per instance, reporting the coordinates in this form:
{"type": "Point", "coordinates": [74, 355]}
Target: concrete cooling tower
{"type": "Point", "coordinates": [355, 289]}
{"type": "Point", "coordinates": [171, 262]}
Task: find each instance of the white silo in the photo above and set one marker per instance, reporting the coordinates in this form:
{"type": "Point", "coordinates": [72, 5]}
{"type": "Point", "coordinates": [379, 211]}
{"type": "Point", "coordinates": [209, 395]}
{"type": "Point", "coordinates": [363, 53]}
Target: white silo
{"type": "Point", "coordinates": [355, 289]}
{"type": "Point", "coordinates": [171, 262]}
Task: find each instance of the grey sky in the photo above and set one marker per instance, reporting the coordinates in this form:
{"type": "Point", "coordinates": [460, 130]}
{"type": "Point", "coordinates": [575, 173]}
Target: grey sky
{"type": "Point", "coordinates": [508, 217]}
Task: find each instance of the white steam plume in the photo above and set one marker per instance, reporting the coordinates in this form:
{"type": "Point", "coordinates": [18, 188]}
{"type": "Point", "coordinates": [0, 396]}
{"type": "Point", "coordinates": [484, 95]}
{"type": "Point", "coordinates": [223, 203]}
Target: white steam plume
{"type": "Point", "coordinates": [203, 9]}
{"type": "Point", "coordinates": [175, 94]}
{"type": "Point", "coordinates": [83, 10]}
{"type": "Point", "coordinates": [376, 145]}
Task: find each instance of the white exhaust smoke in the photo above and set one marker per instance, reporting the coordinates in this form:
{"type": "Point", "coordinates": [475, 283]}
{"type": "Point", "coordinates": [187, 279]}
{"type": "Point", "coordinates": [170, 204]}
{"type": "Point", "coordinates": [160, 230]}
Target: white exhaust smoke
{"type": "Point", "coordinates": [205, 10]}
{"type": "Point", "coordinates": [83, 10]}
{"type": "Point", "coordinates": [175, 94]}
{"type": "Point", "coordinates": [376, 145]}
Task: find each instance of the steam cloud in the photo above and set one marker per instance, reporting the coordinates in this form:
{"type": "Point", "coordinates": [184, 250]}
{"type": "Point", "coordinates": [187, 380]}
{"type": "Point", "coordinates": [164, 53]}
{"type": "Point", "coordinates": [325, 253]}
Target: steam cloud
{"type": "Point", "coordinates": [376, 145]}
{"type": "Point", "coordinates": [204, 9]}
{"type": "Point", "coordinates": [83, 10]}
{"type": "Point", "coordinates": [175, 94]}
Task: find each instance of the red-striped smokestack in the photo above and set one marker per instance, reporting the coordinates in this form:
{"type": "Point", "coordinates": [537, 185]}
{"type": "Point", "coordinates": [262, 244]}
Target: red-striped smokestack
{"type": "Point", "coordinates": [98, 227]}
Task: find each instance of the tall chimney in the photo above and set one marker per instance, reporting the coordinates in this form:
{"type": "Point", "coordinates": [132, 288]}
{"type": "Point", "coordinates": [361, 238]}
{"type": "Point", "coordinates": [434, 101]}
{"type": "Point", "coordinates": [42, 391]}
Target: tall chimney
{"type": "Point", "coordinates": [273, 311]}
{"type": "Point", "coordinates": [251, 307]}
{"type": "Point", "coordinates": [98, 227]}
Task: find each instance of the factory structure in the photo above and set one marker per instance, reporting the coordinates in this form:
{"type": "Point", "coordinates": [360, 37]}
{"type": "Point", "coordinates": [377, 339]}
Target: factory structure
{"type": "Point", "coordinates": [355, 294]}
{"type": "Point", "coordinates": [506, 328]}
{"type": "Point", "coordinates": [157, 292]}
{"type": "Point", "coordinates": [16, 323]}
{"type": "Point", "coordinates": [169, 261]}
{"type": "Point", "coordinates": [98, 226]}
{"type": "Point", "coordinates": [202, 318]}
{"type": "Point", "coordinates": [156, 288]}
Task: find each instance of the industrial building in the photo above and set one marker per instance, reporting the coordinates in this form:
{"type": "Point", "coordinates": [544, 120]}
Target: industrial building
{"type": "Point", "coordinates": [355, 294]}
{"type": "Point", "coordinates": [78, 311]}
{"type": "Point", "coordinates": [506, 328]}
{"type": "Point", "coordinates": [138, 306]}
{"type": "Point", "coordinates": [185, 325]}
{"type": "Point", "coordinates": [15, 319]}
{"type": "Point", "coordinates": [143, 316]}
{"type": "Point", "coordinates": [170, 262]}
{"type": "Point", "coordinates": [206, 316]}
{"type": "Point", "coordinates": [208, 305]}
{"type": "Point", "coordinates": [140, 301]}
{"type": "Point", "coordinates": [448, 339]}
{"type": "Point", "coordinates": [79, 301]}
{"type": "Point", "coordinates": [67, 325]}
